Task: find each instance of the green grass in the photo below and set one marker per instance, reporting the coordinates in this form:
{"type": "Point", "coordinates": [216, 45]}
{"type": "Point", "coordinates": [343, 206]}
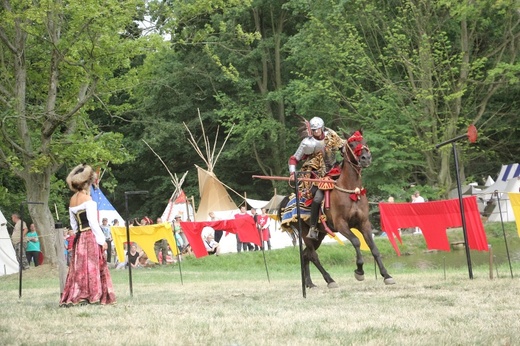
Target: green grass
{"type": "Point", "coordinates": [227, 300]}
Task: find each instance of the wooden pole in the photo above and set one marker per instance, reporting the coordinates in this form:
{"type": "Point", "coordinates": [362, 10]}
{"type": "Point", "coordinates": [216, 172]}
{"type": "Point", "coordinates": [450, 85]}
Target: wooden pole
{"type": "Point", "coordinates": [490, 261]}
{"type": "Point", "coordinates": [193, 206]}
{"type": "Point", "coordinates": [59, 246]}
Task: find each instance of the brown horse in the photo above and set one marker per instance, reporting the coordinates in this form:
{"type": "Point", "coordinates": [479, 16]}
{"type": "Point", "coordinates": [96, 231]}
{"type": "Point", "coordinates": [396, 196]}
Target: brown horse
{"type": "Point", "coordinates": [348, 209]}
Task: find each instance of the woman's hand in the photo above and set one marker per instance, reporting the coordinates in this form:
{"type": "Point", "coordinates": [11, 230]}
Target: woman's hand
{"type": "Point", "coordinates": [105, 246]}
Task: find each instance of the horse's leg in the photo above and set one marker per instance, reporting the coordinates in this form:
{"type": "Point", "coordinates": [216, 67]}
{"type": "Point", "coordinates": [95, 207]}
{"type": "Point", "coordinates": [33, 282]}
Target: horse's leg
{"type": "Point", "coordinates": [312, 256]}
{"type": "Point", "coordinates": [359, 273]}
{"type": "Point", "coordinates": [367, 234]}
{"type": "Point", "coordinates": [306, 256]}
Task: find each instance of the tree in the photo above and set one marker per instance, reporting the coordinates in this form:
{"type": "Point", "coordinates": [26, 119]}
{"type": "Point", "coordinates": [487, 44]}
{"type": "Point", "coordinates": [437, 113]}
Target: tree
{"type": "Point", "coordinates": [417, 73]}
{"type": "Point", "coordinates": [57, 58]}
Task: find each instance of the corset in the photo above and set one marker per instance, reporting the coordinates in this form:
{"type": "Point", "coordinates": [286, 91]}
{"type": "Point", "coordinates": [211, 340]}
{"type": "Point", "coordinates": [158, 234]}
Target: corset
{"type": "Point", "coordinates": [81, 218]}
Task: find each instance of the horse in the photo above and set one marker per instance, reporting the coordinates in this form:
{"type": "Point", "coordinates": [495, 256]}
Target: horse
{"type": "Point", "coordinates": [348, 209]}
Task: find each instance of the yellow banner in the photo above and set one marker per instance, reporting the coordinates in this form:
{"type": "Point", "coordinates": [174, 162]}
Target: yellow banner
{"type": "Point", "coordinates": [515, 203]}
{"type": "Point", "coordinates": [145, 236]}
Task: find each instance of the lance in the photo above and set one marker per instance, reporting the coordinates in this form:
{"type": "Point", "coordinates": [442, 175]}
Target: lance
{"type": "Point", "coordinates": [274, 177]}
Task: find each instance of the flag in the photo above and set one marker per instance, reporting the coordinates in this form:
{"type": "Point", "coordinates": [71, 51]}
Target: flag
{"type": "Point", "coordinates": [515, 204]}
{"type": "Point", "coordinates": [98, 197]}
{"type": "Point", "coordinates": [181, 198]}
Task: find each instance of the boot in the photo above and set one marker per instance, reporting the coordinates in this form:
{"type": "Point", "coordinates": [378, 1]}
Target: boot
{"type": "Point", "coordinates": [313, 233]}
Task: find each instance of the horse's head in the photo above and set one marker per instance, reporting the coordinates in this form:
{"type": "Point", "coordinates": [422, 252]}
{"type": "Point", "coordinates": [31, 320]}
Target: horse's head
{"type": "Point", "coordinates": [356, 151]}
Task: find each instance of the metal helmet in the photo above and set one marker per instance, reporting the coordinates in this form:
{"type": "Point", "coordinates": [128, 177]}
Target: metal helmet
{"type": "Point", "coordinates": [316, 123]}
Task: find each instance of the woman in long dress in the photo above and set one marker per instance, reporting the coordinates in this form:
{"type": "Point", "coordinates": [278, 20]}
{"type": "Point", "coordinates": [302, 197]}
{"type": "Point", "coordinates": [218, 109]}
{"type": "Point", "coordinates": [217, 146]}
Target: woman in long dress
{"type": "Point", "coordinates": [88, 279]}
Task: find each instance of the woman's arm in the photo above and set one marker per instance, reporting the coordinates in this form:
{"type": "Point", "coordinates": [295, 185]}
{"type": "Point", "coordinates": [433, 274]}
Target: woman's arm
{"type": "Point", "coordinates": [91, 208]}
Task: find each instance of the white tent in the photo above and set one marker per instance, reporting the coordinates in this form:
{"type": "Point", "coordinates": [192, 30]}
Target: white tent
{"type": "Point", "coordinates": [178, 206]}
{"type": "Point", "coordinates": [508, 181]}
{"type": "Point", "coordinates": [8, 262]}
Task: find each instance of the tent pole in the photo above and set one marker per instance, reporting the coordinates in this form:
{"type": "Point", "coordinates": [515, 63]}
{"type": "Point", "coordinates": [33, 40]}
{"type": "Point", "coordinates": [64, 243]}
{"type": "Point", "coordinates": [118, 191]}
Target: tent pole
{"type": "Point", "coordinates": [504, 231]}
{"type": "Point", "coordinates": [193, 207]}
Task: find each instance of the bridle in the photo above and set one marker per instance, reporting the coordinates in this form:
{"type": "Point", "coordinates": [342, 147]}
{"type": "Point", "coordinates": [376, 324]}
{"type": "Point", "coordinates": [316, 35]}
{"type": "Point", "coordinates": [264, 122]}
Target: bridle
{"type": "Point", "coordinates": [356, 152]}
{"type": "Point", "coordinates": [355, 162]}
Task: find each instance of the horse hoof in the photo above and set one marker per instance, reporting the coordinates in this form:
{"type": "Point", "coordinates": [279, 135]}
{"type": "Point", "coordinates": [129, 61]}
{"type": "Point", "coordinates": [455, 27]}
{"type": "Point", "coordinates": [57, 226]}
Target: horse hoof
{"type": "Point", "coordinates": [389, 281]}
{"type": "Point", "coordinates": [332, 284]}
{"type": "Point", "coordinates": [359, 277]}
{"type": "Point", "coordinates": [312, 286]}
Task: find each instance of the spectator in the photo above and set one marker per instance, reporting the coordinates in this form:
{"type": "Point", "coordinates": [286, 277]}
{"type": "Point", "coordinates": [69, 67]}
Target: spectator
{"type": "Point", "coordinates": [255, 217]}
{"type": "Point", "coordinates": [417, 198]}
{"type": "Point", "coordinates": [132, 258]}
{"type": "Point", "coordinates": [160, 246]}
{"type": "Point", "coordinates": [108, 238]}
{"type": "Point", "coordinates": [69, 240]}
{"type": "Point", "coordinates": [33, 246]}
{"type": "Point", "coordinates": [18, 239]}
{"type": "Point", "coordinates": [218, 232]}
{"type": "Point", "coordinates": [211, 245]}
{"type": "Point", "coordinates": [180, 237]}
{"type": "Point", "coordinates": [242, 246]}
{"type": "Point", "coordinates": [264, 221]}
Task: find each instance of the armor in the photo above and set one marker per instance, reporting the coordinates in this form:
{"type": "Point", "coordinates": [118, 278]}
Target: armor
{"type": "Point", "coordinates": [316, 123]}
{"type": "Point", "coordinates": [319, 153]}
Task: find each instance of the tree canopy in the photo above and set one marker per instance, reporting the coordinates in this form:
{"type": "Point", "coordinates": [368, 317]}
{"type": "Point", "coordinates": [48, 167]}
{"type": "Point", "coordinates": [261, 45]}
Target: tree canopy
{"type": "Point", "coordinates": [87, 83]}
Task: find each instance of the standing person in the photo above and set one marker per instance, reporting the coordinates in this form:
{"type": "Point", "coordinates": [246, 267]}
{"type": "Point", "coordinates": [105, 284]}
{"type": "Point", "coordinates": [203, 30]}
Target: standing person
{"type": "Point", "coordinates": [179, 232]}
{"type": "Point", "coordinates": [242, 213]}
{"type": "Point", "coordinates": [318, 148]}
{"type": "Point", "coordinates": [108, 238]}
{"type": "Point", "coordinates": [218, 232]}
{"type": "Point", "coordinates": [33, 246]}
{"type": "Point", "coordinates": [160, 246]}
{"type": "Point", "coordinates": [264, 221]}
{"type": "Point", "coordinates": [417, 198]}
{"type": "Point", "coordinates": [88, 280]}
{"type": "Point", "coordinates": [69, 240]}
{"type": "Point", "coordinates": [240, 245]}
{"type": "Point", "coordinates": [16, 239]}
{"type": "Point", "coordinates": [255, 217]}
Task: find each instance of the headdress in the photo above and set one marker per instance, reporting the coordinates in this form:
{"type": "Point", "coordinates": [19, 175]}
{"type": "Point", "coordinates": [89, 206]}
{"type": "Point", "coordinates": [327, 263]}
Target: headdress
{"type": "Point", "coordinates": [81, 177]}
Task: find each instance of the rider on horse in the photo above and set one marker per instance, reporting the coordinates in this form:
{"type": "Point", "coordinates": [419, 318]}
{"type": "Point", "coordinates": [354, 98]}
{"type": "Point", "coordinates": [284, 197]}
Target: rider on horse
{"type": "Point", "coordinates": [318, 149]}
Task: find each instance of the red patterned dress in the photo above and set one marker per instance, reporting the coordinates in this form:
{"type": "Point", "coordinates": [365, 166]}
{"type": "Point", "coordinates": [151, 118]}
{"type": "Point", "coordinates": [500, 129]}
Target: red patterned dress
{"type": "Point", "coordinates": [88, 279]}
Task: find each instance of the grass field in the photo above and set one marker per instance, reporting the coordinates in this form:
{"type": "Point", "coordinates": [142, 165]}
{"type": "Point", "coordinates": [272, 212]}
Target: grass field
{"type": "Point", "coordinates": [228, 300]}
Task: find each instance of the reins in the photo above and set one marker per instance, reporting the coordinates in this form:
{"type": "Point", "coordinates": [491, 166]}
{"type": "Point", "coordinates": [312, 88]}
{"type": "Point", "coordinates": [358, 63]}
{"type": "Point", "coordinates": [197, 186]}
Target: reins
{"type": "Point", "coordinates": [357, 167]}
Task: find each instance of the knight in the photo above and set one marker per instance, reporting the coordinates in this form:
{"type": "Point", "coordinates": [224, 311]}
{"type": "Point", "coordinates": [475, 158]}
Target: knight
{"type": "Point", "coordinates": [318, 150]}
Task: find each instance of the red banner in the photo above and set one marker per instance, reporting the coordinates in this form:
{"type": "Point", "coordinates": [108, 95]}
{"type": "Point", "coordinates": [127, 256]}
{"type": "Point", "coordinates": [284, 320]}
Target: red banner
{"type": "Point", "coordinates": [245, 228]}
{"type": "Point", "coordinates": [433, 218]}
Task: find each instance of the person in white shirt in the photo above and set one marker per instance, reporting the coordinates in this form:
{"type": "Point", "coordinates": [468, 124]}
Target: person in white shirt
{"type": "Point", "coordinates": [417, 198]}
{"type": "Point", "coordinates": [211, 245]}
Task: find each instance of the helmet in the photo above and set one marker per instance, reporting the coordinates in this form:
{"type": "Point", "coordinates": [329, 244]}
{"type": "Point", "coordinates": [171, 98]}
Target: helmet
{"type": "Point", "coordinates": [316, 123]}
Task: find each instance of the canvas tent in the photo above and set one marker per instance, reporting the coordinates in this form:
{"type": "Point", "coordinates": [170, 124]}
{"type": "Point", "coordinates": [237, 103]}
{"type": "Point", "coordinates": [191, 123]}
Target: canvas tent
{"type": "Point", "coordinates": [273, 204]}
{"type": "Point", "coordinates": [105, 208]}
{"type": "Point", "coordinates": [178, 206]}
{"type": "Point", "coordinates": [8, 262]}
{"type": "Point", "coordinates": [508, 181]}
{"type": "Point", "coordinates": [213, 195]}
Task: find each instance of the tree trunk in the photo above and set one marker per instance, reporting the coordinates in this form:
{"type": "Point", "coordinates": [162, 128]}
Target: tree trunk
{"type": "Point", "coordinates": [38, 189]}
